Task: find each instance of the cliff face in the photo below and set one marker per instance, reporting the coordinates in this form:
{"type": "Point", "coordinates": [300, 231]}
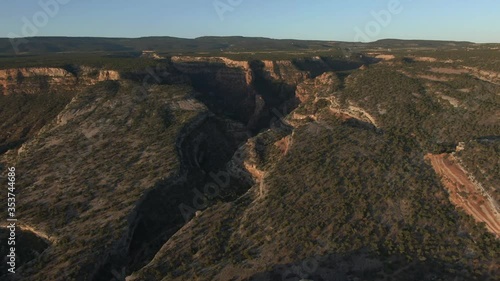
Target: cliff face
{"type": "Point", "coordinates": [33, 80]}
{"type": "Point", "coordinates": [285, 71]}
{"type": "Point", "coordinates": [242, 73]}
{"type": "Point", "coordinates": [193, 65]}
{"type": "Point", "coordinates": [250, 91]}
{"type": "Point", "coordinates": [225, 86]}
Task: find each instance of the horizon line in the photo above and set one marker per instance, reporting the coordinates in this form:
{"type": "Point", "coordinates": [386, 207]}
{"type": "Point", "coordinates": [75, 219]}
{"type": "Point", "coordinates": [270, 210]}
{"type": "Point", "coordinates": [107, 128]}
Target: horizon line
{"type": "Point", "coordinates": [246, 37]}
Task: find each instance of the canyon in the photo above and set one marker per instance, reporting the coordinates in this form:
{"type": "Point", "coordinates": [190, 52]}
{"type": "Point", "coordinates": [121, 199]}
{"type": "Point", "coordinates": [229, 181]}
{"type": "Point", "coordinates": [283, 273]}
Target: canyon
{"type": "Point", "coordinates": [208, 168]}
{"type": "Point", "coordinates": [140, 224]}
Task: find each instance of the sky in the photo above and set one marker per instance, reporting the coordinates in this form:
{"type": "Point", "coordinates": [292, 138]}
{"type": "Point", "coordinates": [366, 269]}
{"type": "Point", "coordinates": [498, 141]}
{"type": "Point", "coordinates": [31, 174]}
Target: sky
{"type": "Point", "coordinates": [332, 20]}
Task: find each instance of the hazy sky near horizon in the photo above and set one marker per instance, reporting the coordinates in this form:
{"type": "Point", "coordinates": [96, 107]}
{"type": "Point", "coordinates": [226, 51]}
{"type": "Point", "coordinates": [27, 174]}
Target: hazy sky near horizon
{"type": "Point", "coordinates": [339, 20]}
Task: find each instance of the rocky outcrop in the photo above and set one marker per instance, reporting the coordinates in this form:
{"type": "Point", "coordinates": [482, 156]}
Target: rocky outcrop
{"type": "Point", "coordinates": [488, 76]}
{"type": "Point", "coordinates": [284, 71]}
{"type": "Point", "coordinates": [30, 80]}
{"type": "Point", "coordinates": [320, 93]}
{"type": "Point", "coordinates": [326, 83]}
{"type": "Point", "coordinates": [17, 73]}
{"type": "Point", "coordinates": [35, 79]}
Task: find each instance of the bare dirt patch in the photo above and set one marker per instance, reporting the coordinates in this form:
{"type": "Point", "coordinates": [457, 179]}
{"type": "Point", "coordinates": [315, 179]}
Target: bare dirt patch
{"type": "Point", "coordinates": [381, 55]}
{"type": "Point", "coordinates": [427, 76]}
{"type": "Point", "coordinates": [453, 101]}
{"type": "Point", "coordinates": [425, 59]}
{"type": "Point", "coordinates": [385, 57]}
{"type": "Point", "coordinates": [446, 70]}
{"type": "Point", "coordinates": [433, 78]}
{"type": "Point", "coordinates": [464, 193]}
